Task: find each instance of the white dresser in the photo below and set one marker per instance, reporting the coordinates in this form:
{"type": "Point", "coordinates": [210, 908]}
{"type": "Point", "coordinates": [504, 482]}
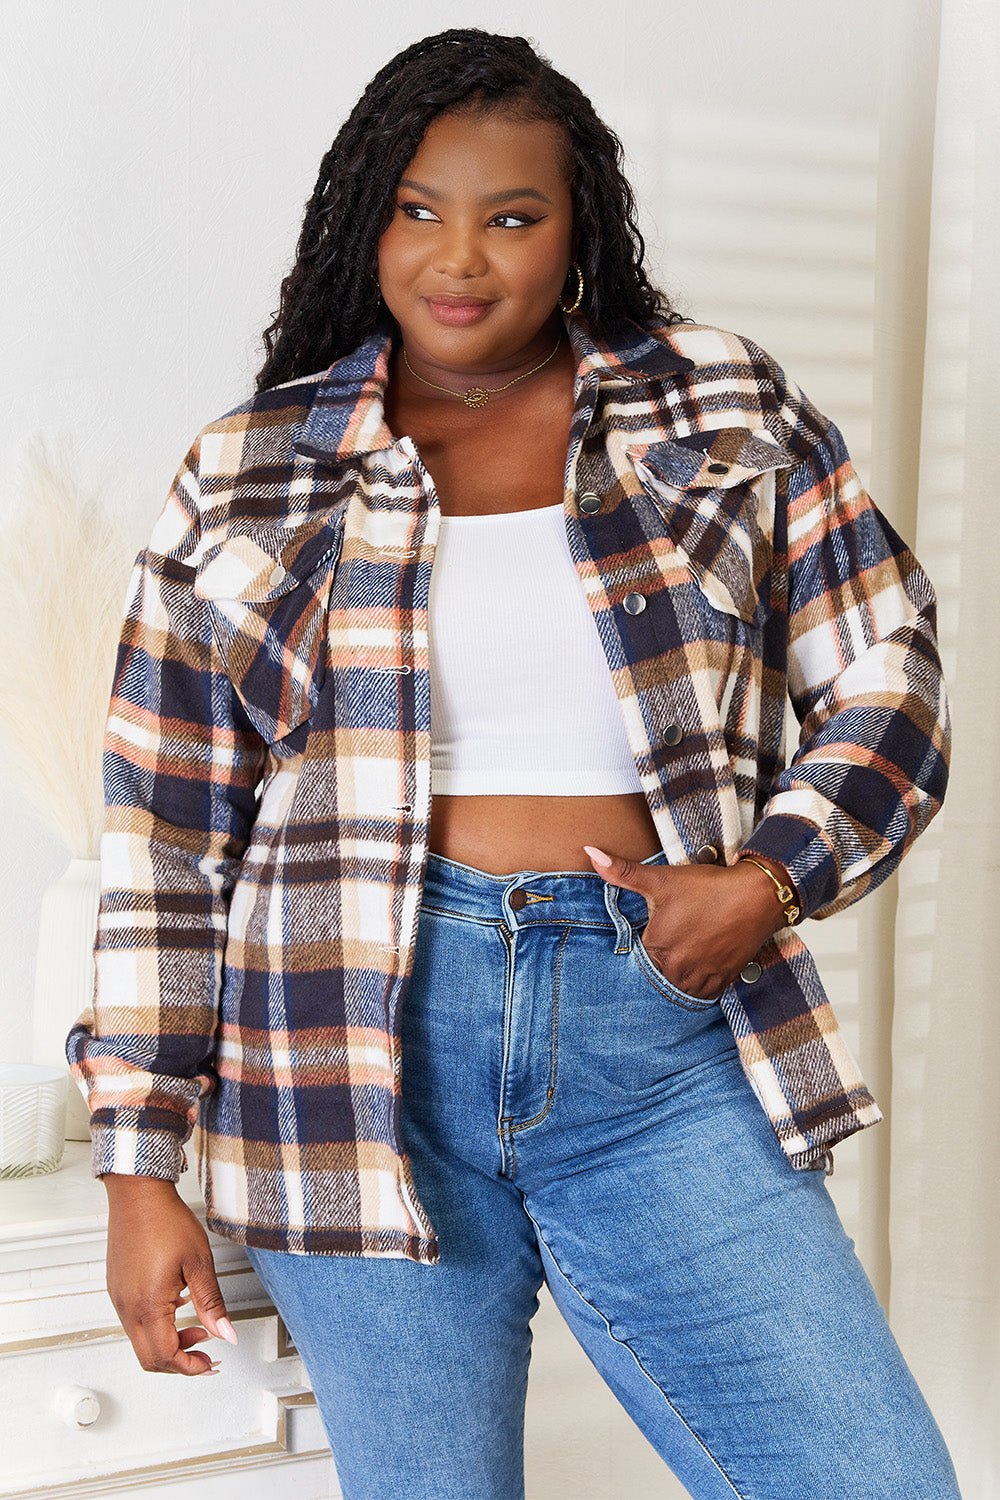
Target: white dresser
{"type": "Point", "coordinates": [78, 1415]}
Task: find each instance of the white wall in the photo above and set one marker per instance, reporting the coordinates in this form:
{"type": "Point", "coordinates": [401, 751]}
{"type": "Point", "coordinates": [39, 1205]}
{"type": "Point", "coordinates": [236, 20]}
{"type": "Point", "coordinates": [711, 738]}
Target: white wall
{"type": "Point", "coordinates": [156, 160]}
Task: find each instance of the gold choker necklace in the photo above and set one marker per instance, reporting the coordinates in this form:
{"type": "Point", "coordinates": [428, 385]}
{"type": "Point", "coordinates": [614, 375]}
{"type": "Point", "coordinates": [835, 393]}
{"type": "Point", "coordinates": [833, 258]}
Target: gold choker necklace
{"type": "Point", "coordinates": [478, 395]}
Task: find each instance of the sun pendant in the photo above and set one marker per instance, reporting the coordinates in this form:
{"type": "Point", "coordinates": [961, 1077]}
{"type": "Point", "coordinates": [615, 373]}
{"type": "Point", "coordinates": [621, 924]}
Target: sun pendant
{"type": "Point", "coordinates": [476, 396]}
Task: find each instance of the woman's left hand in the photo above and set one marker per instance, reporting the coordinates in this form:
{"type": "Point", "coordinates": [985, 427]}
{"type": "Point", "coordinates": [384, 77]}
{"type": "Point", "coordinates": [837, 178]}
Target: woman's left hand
{"type": "Point", "coordinates": [705, 922]}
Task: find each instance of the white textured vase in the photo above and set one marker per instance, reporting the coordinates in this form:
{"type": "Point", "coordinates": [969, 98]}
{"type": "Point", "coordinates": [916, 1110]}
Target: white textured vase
{"type": "Point", "coordinates": [32, 1119]}
{"type": "Point", "coordinates": [64, 974]}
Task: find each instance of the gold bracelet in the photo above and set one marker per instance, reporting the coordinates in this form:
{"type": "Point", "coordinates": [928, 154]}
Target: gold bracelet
{"type": "Point", "coordinates": [786, 895]}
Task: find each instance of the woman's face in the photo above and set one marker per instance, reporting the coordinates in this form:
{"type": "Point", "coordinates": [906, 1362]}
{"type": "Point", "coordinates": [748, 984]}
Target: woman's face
{"type": "Point", "coordinates": [476, 255]}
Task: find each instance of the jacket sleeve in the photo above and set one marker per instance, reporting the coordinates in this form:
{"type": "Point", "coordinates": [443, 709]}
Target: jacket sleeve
{"type": "Point", "coordinates": [865, 682]}
{"type": "Point", "coordinates": [181, 767]}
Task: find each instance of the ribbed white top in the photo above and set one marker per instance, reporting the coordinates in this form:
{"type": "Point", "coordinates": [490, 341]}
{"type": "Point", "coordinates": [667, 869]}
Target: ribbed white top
{"type": "Point", "coordinates": [522, 702]}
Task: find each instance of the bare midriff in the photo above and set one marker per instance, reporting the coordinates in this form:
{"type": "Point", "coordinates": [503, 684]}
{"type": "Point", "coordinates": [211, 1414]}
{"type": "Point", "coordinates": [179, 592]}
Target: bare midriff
{"type": "Point", "coordinates": [504, 834]}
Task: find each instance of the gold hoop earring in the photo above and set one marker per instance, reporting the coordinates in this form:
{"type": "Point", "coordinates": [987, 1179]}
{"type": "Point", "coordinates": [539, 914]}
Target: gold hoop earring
{"type": "Point", "coordinates": [579, 291]}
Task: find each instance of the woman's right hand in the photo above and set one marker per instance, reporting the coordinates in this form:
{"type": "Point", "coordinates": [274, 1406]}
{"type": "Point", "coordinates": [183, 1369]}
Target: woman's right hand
{"type": "Point", "coordinates": [156, 1248]}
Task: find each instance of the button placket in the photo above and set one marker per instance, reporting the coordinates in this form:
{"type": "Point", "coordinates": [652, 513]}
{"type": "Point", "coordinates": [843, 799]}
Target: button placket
{"type": "Point", "coordinates": [634, 604]}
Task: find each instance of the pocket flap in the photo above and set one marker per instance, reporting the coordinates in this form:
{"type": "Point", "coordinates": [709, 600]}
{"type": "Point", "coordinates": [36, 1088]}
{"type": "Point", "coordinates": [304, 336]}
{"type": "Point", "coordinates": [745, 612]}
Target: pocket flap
{"type": "Point", "coordinates": [257, 566]}
{"type": "Point", "coordinates": [268, 596]}
{"type": "Point", "coordinates": [716, 493]}
{"type": "Point", "coordinates": [718, 460]}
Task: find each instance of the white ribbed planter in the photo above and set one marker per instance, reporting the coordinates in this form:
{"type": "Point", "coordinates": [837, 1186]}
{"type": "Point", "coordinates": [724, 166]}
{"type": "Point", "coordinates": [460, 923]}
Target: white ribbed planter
{"type": "Point", "coordinates": [64, 975]}
{"type": "Point", "coordinates": [32, 1118]}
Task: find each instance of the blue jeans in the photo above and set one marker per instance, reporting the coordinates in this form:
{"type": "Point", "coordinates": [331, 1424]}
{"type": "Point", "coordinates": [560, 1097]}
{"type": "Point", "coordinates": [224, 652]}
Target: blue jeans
{"type": "Point", "coordinates": [572, 1116]}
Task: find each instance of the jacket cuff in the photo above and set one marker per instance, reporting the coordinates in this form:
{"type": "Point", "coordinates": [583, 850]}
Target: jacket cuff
{"type": "Point", "coordinates": [806, 855]}
{"type": "Point", "coordinates": [136, 1151]}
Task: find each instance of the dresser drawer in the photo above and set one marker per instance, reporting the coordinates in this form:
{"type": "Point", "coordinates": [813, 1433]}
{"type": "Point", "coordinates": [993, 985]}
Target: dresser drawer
{"type": "Point", "coordinates": [257, 1411]}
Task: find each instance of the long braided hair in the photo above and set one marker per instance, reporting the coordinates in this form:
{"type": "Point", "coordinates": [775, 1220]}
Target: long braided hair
{"type": "Point", "coordinates": [330, 299]}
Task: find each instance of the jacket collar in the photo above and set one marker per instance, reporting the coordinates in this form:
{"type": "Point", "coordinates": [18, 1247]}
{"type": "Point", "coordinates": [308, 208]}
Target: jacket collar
{"type": "Point", "coordinates": [347, 416]}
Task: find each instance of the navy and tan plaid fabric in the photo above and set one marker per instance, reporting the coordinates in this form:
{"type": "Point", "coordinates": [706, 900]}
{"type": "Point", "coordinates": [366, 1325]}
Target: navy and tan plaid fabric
{"type": "Point", "coordinates": [268, 778]}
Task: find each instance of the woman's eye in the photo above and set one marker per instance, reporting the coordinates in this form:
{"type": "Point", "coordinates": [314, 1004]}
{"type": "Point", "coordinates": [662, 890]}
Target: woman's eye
{"type": "Point", "coordinates": [418, 211]}
{"type": "Point", "coordinates": [513, 221]}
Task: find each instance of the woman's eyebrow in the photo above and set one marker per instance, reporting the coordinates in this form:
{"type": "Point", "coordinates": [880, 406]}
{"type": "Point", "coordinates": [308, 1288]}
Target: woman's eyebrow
{"type": "Point", "coordinates": [505, 196]}
{"type": "Point", "coordinates": [523, 192]}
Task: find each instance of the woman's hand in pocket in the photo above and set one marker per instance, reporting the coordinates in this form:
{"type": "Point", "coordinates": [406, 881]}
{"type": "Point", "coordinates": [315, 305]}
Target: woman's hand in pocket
{"type": "Point", "coordinates": [705, 922]}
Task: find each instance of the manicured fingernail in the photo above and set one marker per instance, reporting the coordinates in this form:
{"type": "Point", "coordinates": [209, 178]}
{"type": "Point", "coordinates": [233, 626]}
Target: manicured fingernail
{"type": "Point", "coordinates": [227, 1330]}
{"type": "Point", "coordinates": [597, 855]}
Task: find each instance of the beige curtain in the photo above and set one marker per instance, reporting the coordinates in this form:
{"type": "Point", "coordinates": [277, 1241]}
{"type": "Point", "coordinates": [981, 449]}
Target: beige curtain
{"type": "Point", "coordinates": [916, 968]}
{"type": "Point", "coordinates": [944, 1220]}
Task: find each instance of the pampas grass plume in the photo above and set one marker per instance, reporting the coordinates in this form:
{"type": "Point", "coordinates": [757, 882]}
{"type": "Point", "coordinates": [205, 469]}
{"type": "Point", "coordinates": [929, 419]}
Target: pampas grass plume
{"type": "Point", "coordinates": [66, 564]}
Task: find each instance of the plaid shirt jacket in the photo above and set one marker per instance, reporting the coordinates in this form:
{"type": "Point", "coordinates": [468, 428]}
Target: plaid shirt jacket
{"type": "Point", "coordinates": [267, 763]}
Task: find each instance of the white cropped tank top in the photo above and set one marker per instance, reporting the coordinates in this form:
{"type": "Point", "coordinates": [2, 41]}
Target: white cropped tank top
{"type": "Point", "coordinates": [522, 701]}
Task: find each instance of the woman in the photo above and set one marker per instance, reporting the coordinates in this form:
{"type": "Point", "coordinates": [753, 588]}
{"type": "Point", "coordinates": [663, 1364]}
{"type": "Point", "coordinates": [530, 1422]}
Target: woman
{"type": "Point", "coordinates": [555, 1022]}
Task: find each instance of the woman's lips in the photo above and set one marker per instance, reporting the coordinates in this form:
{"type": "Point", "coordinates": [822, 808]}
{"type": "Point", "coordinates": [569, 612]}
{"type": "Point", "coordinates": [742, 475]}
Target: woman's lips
{"type": "Point", "coordinates": [458, 312]}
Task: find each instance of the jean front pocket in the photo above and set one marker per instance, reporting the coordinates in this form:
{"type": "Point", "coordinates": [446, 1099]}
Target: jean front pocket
{"type": "Point", "coordinates": [626, 1032]}
{"type": "Point", "coordinates": [660, 981]}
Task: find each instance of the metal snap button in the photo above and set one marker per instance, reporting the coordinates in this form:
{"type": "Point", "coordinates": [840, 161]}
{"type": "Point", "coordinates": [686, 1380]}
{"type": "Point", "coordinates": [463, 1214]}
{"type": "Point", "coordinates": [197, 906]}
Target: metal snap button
{"type": "Point", "coordinates": [707, 855]}
{"type": "Point", "coordinates": [673, 734]}
{"type": "Point", "coordinates": [634, 604]}
{"type": "Point", "coordinates": [589, 503]}
{"type": "Point", "coordinates": [518, 900]}
{"type": "Point", "coordinates": [751, 972]}
{"type": "Point", "coordinates": [277, 575]}
{"type": "Point", "coordinates": [718, 468]}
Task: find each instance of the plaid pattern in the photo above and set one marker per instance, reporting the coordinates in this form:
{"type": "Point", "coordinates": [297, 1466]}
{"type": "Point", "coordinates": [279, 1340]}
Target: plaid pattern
{"type": "Point", "coordinates": [268, 758]}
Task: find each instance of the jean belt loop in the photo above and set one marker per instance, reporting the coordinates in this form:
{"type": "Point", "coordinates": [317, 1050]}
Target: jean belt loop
{"type": "Point", "coordinates": [623, 926]}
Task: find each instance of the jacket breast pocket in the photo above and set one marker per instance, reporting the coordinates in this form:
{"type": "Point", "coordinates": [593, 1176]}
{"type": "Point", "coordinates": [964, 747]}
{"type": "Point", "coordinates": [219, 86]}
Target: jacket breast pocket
{"type": "Point", "coordinates": [716, 492]}
{"type": "Point", "coordinates": [268, 596]}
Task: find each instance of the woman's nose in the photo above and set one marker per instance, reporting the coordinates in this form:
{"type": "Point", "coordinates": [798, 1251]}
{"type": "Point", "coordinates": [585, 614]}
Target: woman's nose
{"type": "Point", "coordinates": [460, 255]}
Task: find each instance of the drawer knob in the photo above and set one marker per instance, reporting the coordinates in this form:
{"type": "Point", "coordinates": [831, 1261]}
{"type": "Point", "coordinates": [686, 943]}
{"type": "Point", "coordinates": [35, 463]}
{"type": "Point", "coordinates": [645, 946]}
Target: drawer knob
{"type": "Point", "coordinates": [76, 1406]}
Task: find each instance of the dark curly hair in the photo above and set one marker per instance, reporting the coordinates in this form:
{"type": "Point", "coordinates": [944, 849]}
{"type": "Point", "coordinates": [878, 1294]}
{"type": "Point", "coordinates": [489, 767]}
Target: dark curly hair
{"type": "Point", "coordinates": [330, 300]}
